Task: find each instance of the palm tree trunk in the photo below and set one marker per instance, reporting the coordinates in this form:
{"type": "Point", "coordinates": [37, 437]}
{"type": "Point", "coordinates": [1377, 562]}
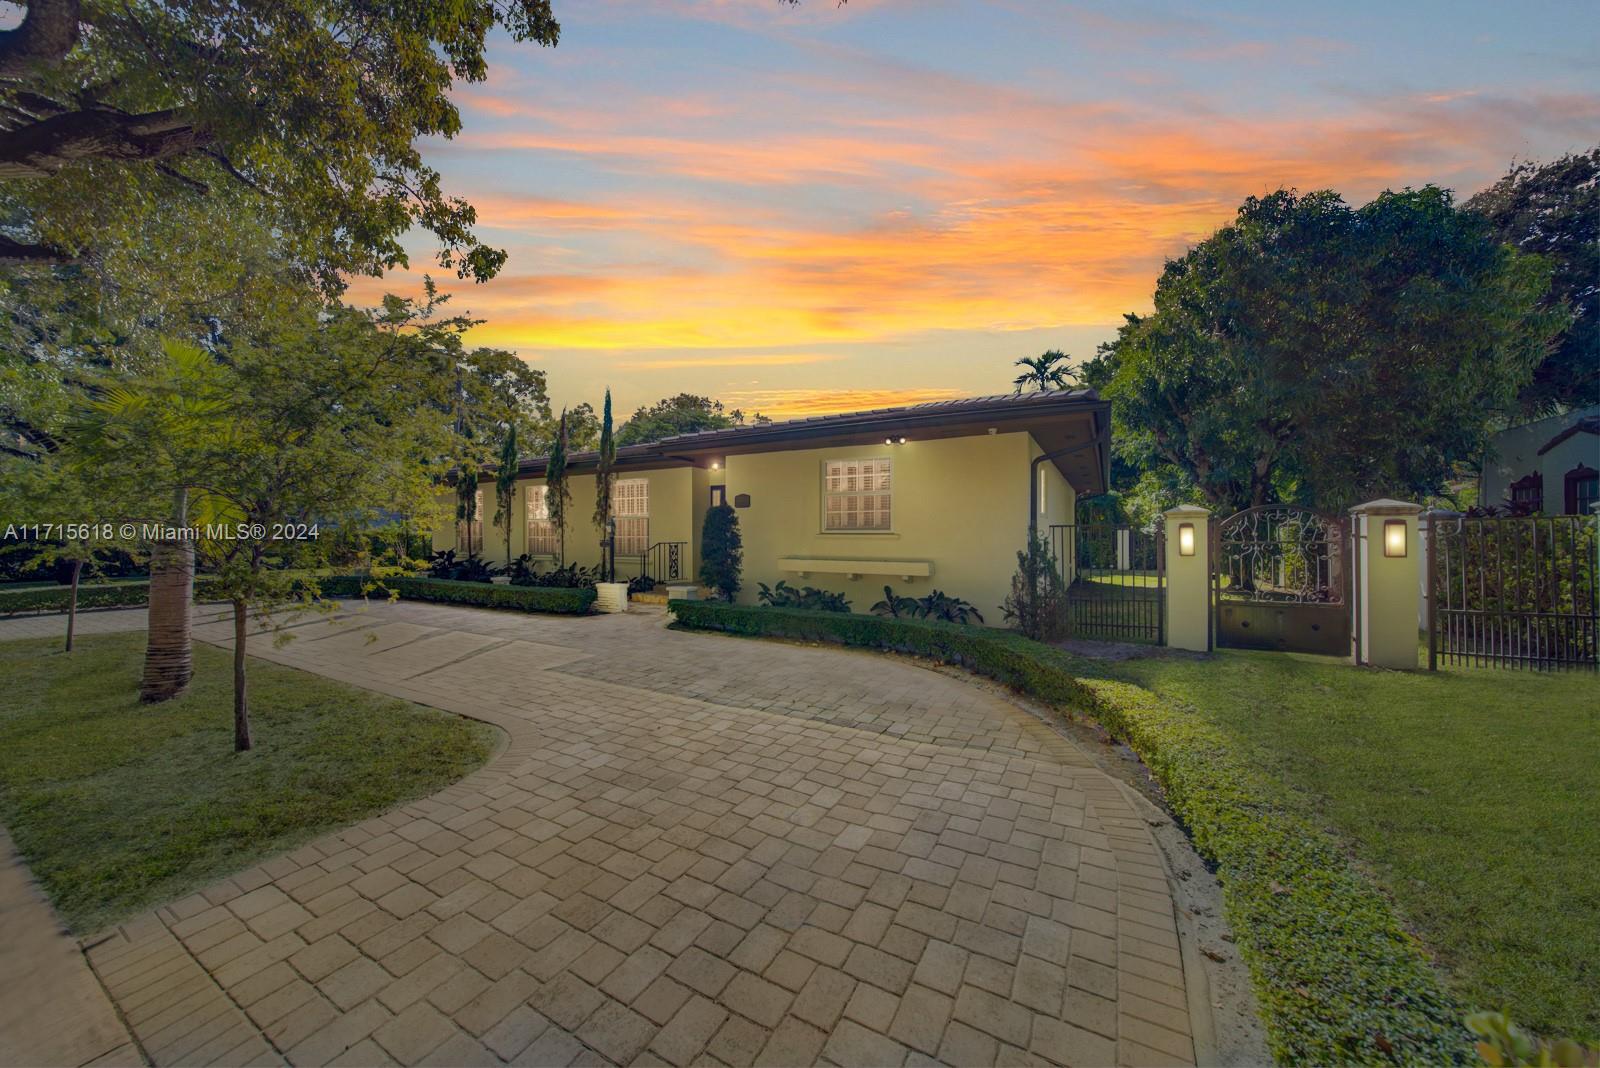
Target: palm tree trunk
{"type": "Point", "coordinates": [241, 704]}
{"type": "Point", "coordinates": [169, 653]}
{"type": "Point", "coordinates": [72, 604]}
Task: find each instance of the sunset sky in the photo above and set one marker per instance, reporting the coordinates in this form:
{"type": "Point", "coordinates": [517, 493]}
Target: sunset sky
{"type": "Point", "coordinates": [820, 208]}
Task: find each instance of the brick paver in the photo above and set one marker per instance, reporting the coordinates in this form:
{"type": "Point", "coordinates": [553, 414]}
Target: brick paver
{"type": "Point", "coordinates": [691, 849]}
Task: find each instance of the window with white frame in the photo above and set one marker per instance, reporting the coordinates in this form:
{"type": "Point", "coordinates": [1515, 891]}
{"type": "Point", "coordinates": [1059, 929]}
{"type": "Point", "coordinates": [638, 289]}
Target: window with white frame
{"type": "Point", "coordinates": [541, 531]}
{"type": "Point", "coordinates": [857, 494]}
{"type": "Point", "coordinates": [630, 504]}
{"type": "Point", "coordinates": [469, 535]}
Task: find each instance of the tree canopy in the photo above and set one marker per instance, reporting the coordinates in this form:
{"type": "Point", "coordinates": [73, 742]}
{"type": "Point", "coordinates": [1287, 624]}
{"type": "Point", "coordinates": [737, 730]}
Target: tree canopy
{"type": "Point", "coordinates": [1321, 354]}
{"type": "Point", "coordinates": [1554, 210]}
{"type": "Point", "coordinates": [313, 106]}
{"type": "Point", "coordinates": [685, 413]}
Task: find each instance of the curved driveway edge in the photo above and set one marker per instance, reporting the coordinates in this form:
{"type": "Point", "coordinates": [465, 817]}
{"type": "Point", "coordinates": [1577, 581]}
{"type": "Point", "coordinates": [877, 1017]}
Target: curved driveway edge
{"type": "Point", "coordinates": [692, 849]}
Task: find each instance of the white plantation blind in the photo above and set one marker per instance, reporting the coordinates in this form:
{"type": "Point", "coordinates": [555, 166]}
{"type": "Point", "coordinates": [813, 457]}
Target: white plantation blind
{"type": "Point", "coordinates": [857, 494]}
{"type": "Point", "coordinates": [541, 532]}
{"type": "Point", "coordinates": [631, 506]}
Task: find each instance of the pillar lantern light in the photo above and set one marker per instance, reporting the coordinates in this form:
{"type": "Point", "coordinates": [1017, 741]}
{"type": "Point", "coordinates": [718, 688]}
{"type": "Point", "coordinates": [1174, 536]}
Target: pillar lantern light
{"type": "Point", "coordinates": [1185, 539]}
{"type": "Point", "coordinates": [1394, 537]}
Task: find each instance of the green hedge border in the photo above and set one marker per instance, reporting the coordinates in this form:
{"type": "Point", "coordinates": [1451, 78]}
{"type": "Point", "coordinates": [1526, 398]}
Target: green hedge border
{"type": "Point", "coordinates": [444, 591]}
{"type": "Point", "coordinates": [57, 598]}
{"type": "Point", "coordinates": [558, 599]}
{"type": "Point", "coordinates": [1338, 978]}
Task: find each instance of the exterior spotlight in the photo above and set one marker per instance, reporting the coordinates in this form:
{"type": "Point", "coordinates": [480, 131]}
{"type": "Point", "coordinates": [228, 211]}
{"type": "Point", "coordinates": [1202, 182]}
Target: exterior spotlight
{"type": "Point", "coordinates": [902, 441]}
{"type": "Point", "coordinates": [1394, 537]}
{"type": "Point", "coordinates": [888, 441]}
{"type": "Point", "coordinates": [1185, 539]}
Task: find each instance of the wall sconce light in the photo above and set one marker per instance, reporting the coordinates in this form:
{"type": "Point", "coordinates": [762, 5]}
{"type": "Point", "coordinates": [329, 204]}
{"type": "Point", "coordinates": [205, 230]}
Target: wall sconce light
{"type": "Point", "coordinates": [1394, 537]}
{"type": "Point", "coordinates": [1185, 539]}
{"type": "Point", "coordinates": [716, 465]}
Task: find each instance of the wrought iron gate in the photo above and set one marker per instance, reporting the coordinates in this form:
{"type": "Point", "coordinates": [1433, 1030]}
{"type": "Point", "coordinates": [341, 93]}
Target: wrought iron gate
{"type": "Point", "coordinates": [1510, 591]}
{"type": "Point", "coordinates": [1280, 579]}
{"type": "Point", "coordinates": [1115, 578]}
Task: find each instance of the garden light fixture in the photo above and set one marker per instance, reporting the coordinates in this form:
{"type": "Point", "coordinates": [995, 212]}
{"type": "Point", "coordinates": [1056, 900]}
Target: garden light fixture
{"type": "Point", "coordinates": [1394, 537]}
{"type": "Point", "coordinates": [1185, 539]}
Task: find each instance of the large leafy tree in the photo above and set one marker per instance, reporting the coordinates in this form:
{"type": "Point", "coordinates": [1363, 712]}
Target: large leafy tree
{"type": "Point", "coordinates": [1317, 353]}
{"type": "Point", "coordinates": [310, 420]}
{"type": "Point", "coordinates": [685, 413]}
{"type": "Point", "coordinates": [312, 105]}
{"type": "Point", "coordinates": [1553, 209]}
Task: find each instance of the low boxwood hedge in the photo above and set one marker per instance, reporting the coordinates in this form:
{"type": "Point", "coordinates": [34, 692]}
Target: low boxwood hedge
{"type": "Point", "coordinates": [488, 595]}
{"type": "Point", "coordinates": [1338, 977]}
{"type": "Point", "coordinates": [58, 598]}
{"type": "Point", "coordinates": [564, 600]}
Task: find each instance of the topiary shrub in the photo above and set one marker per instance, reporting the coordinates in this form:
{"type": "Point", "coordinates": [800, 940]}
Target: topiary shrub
{"type": "Point", "coordinates": [721, 551]}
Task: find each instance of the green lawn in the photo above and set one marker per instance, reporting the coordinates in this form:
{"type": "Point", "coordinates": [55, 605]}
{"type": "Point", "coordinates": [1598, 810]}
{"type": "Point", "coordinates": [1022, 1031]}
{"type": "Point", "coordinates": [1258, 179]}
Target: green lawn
{"type": "Point", "coordinates": [118, 805]}
{"type": "Point", "coordinates": [1473, 797]}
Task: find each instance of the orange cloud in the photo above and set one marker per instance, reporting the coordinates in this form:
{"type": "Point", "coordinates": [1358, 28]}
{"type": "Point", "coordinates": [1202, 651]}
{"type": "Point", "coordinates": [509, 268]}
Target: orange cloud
{"type": "Point", "coordinates": [799, 403]}
{"type": "Point", "coordinates": [712, 230]}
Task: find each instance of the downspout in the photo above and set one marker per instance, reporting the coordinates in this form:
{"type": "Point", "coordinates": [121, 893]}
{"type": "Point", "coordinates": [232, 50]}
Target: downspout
{"type": "Point", "coordinates": [1102, 438]}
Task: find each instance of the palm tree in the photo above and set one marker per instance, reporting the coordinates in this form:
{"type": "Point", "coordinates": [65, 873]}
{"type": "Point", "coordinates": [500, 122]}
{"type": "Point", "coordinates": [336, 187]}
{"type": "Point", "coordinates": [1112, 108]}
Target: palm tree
{"type": "Point", "coordinates": [1043, 373]}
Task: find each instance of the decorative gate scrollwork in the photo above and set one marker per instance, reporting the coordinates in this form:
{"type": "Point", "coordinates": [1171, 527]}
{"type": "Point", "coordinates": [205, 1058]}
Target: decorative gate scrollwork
{"type": "Point", "coordinates": [1281, 580]}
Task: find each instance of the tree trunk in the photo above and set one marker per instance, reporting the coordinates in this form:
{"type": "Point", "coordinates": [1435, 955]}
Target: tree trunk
{"type": "Point", "coordinates": [241, 705]}
{"type": "Point", "coordinates": [72, 603]}
{"type": "Point", "coordinates": [169, 654]}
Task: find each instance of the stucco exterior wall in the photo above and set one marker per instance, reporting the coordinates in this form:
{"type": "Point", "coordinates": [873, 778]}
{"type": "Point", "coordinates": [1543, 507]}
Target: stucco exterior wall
{"type": "Point", "coordinates": [671, 517]}
{"type": "Point", "coordinates": [960, 506]}
{"type": "Point", "coordinates": [1517, 456]}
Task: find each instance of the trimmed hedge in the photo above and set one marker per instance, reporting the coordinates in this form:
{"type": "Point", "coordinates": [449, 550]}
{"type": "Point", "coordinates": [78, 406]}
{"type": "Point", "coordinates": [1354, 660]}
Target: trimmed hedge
{"type": "Point", "coordinates": [1338, 978]}
{"type": "Point", "coordinates": [488, 595]}
{"type": "Point", "coordinates": [559, 599]}
{"type": "Point", "coordinates": [58, 598]}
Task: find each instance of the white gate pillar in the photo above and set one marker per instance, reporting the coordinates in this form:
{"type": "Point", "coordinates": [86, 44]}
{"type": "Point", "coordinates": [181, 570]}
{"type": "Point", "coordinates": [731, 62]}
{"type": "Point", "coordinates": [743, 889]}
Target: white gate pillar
{"type": "Point", "coordinates": [1188, 548]}
{"type": "Point", "coordinates": [1388, 572]}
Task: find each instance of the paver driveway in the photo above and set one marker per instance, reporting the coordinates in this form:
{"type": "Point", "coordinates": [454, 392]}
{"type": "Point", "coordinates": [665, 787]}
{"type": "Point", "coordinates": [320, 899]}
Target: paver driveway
{"type": "Point", "coordinates": [693, 849]}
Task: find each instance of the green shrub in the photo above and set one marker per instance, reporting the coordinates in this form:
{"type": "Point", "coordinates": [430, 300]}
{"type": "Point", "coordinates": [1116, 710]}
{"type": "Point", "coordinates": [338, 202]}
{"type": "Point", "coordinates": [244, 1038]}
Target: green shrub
{"type": "Point", "coordinates": [784, 595]}
{"type": "Point", "coordinates": [488, 595]}
{"type": "Point", "coordinates": [115, 595]}
{"type": "Point", "coordinates": [1339, 979]}
{"type": "Point", "coordinates": [721, 551]}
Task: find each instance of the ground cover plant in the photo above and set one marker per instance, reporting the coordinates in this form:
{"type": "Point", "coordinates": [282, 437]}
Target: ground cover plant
{"type": "Point", "coordinates": [1441, 782]}
{"type": "Point", "coordinates": [1261, 755]}
{"type": "Point", "coordinates": [117, 805]}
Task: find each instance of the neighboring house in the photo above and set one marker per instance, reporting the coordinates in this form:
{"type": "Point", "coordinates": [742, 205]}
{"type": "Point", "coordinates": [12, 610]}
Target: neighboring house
{"type": "Point", "coordinates": [1550, 465]}
{"type": "Point", "coordinates": [928, 496]}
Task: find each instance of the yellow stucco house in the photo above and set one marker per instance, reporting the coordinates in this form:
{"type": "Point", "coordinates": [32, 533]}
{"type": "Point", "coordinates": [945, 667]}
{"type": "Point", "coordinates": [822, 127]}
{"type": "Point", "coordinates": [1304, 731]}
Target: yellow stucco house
{"type": "Point", "coordinates": [937, 495]}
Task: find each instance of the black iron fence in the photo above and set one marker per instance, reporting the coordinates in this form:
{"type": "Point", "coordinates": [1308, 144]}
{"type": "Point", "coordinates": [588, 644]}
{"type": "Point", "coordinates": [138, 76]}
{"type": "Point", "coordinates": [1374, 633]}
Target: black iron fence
{"type": "Point", "coordinates": [1115, 578]}
{"type": "Point", "coordinates": [1513, 591]}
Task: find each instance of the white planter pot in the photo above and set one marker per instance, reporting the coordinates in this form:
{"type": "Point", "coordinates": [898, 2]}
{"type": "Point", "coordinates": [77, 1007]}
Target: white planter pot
{"type": "Point", "coordinates": [500, 580]}
{"type": "Point", "coordinates": [611, 596]}
{"type": "Point", "coordinates": [683, 593]}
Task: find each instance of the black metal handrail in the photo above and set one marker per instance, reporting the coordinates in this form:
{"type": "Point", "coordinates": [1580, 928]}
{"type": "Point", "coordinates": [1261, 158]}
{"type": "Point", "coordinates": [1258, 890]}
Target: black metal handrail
{"type": "Point", "coordinates": [666, 561]}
